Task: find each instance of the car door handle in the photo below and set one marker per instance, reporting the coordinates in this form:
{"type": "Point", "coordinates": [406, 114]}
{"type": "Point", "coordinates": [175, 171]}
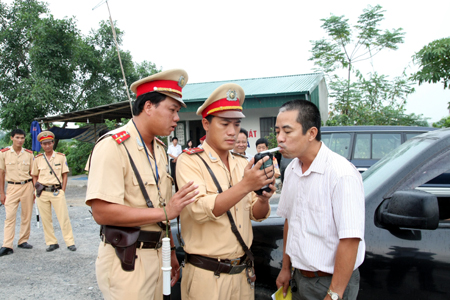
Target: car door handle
{"type": "Point", "coordinates": [361, 170]}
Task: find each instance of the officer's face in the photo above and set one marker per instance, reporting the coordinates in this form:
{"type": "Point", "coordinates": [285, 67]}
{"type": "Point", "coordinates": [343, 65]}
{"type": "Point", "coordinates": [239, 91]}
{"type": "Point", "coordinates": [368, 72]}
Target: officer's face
{"type": "Point", "coordinates": [222, 132]}
{"type": "Point", "coordinates": [18, 140]}
{"type": "Point", "coordinates": [164, 117]}
{"type": "Point", "coordinates": [47, 146]}
{"type": "Point", "coordinates": [291, 140]}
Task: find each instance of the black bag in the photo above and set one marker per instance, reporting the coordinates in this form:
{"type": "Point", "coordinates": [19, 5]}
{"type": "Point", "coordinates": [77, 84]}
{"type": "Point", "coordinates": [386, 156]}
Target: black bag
{"type": "Point", "coordinates": [124, 241]}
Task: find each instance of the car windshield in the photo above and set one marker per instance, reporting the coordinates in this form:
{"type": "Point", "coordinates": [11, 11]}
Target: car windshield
{"type": "Point", "coordinates": [386, 167]}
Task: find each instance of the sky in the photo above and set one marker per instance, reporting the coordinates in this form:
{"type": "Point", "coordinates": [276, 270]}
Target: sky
{"type": "Point", "coordinates": [225, 40]}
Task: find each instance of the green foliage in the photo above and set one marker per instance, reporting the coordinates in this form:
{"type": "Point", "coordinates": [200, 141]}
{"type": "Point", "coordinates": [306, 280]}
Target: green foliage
{"type": "Point", "coordinates": [442, 123]}
{"type": "Point", "coordinates": [77, 154]}
{"type": "Point", "coordinates": [48, 67]}
{"type": "Point", "coordinates": [272, 138]}
{"type": "Point", "coordinates": [434, 62]}
{"type": "Point", "coordinates": [371, 100]}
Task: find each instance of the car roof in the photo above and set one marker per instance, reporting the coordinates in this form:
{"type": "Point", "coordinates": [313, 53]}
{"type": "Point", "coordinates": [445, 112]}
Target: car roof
{"type": "Point", "coordinates": [376, 128]}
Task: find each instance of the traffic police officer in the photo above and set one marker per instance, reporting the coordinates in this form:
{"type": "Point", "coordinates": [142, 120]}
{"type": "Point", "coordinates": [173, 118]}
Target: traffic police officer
{"type": "Point", "coordinates": [15, 166]}
{"type": "Point", "coordinates": [115, 195]}
{"type": "Point", "coordinates": [211, 246]}
{"type": "Point", "coordinates": [50, 169]}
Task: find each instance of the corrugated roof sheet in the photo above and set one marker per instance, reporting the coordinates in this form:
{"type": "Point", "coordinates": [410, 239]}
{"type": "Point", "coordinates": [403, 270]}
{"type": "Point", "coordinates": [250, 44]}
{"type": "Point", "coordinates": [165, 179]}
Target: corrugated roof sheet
{"type": "Point", "coordinates": [289, 84]}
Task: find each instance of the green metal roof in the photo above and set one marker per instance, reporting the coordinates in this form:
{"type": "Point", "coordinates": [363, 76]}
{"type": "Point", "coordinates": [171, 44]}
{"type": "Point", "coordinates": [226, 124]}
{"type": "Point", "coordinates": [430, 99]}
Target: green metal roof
{"type": "Point", "coordinates": [279, 85]}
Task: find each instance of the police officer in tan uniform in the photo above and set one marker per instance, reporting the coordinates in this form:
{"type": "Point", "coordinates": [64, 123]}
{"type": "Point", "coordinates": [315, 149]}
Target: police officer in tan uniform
{"type": "Point", "coordinates": [117, 200]}
{"type": "Point", "coordinates": [15, 167]}
{"type": "Point", "coordinates": [216, 260]}
{"type": "Point", "coordinates": [50, 169]}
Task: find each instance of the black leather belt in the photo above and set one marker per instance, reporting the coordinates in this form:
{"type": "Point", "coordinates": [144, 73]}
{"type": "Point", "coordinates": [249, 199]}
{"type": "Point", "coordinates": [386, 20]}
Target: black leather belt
{"type": "Point", "coordinates": [148, 239]}
{"type": "Point", "coordinates": [21, 182]}
{"type": "Point", "coordinates": [51, 188]}
{"type": "Point", "coordinates": [228, 266]}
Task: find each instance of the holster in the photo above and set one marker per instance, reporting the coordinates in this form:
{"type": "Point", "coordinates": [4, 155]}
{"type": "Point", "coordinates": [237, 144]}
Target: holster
{"type": "Point", "coordinates": [39, 188]}
{"type": "Point", "coordinates": [124, 240]}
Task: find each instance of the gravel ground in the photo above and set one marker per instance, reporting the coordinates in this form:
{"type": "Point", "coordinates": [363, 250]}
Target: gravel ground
{"type": "Point", "coordinates": [61, 274]}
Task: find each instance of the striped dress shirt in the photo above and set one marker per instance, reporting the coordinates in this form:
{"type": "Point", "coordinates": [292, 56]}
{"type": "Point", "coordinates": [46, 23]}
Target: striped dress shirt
{"type": "Point", "coordinates": [322, 205]}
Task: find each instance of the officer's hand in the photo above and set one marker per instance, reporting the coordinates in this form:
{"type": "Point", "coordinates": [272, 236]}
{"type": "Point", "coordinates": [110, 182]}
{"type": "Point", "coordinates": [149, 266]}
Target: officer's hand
{"type": "Point", "coordinates": [3, 198]}
{"type": "Point", "coordinates": [175, 272]}
{"type": "Point", "coordinates": [254, 178]}
{"type": "Point", "coordinates": [283, 280]}
{"type": "Point", "coordinates": [186, 195]}
{"type": "Point", "coordinates": [265, 195]}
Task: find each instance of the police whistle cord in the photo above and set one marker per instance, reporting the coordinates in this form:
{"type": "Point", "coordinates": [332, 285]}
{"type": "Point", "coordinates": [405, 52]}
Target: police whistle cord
{"type": "Point", "coordinates": [166, 266]}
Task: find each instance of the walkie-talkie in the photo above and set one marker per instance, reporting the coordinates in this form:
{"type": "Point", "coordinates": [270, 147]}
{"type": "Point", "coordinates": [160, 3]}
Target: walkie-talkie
{"type": "Point", "coordinates": [265, 164]}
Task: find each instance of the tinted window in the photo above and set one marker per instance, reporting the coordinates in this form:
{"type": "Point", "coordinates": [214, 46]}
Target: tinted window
{"type": "Point", "coordinates": [411, 135]}
{"type": "Point", "coordinates": [383, 143]}
{"type": "Point", "coordinates": [362, 146]}
{"type": "Point", "coordinates": [338, 142]}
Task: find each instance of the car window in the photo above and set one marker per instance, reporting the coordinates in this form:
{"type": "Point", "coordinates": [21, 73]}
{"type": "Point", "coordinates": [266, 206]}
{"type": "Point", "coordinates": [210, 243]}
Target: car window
{"type": "Point", "coordinates": [338, 142]}
{"type": "Point", "coordinates": [383, 143]}
{"type": "Point", "coordinates": [362, 146]}
{"type": "Point", "coordinates": [411, 135]}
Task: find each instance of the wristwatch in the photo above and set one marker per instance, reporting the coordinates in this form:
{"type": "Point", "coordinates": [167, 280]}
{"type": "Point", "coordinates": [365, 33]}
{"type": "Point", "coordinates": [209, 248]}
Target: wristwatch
{"type": "Point", "coordinates": [333, 295]}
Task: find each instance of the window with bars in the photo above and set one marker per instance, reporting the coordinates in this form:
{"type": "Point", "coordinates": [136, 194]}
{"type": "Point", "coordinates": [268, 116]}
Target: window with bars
{"type": "Point", "coordinates": [267, 125]}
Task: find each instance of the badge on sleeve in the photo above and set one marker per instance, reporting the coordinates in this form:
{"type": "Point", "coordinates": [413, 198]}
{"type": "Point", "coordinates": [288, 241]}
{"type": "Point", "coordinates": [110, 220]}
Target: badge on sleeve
{"type": "Point", "coordinates": [121, 137]}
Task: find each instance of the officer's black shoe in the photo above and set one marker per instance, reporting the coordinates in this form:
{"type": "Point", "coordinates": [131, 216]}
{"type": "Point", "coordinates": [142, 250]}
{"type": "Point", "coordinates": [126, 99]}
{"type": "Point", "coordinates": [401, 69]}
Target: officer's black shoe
{"type": "Point", "coordinates": [6, 251]}
{"type": "Point", "coordinates": [25, 246]}
{"type": "Point", "coordinates": [72, 248]}
{"type": "Point", "coordinates": [52, 247]}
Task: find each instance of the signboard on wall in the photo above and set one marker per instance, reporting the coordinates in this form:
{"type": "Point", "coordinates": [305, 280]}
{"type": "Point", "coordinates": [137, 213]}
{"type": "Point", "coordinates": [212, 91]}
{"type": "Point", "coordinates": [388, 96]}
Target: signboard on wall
{"type": "Point", "coordinates": [179, 133]}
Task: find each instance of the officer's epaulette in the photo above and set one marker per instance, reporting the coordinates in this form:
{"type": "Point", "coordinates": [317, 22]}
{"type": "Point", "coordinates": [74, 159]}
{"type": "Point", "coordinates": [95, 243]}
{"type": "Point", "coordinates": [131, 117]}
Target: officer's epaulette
{"type": "Point", "coordinates": [161, 142]}
{"type": "Point", "coordinates": [60, 153]}
{"type": "Point", "coordinates": [29, 151]}
{"type": "Point", "coordinates": [193, 150]}
{"type": "Point", "coordinates": [5, 149]}
{"type": "Point", "coordinates": [121, 137]}
{"type": "Point", "coordinates": [40, 154]}
{"type": "Point", "coordinates": [238, 154]}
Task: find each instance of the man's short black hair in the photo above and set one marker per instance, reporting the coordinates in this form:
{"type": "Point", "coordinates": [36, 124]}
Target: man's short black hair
{"type": "Point", "coordinates": [244, 132]}
{"type": "Point", "coordinates": [17, 131]}
{"type": "Point", "coordinates": [154, 97]}
{"type": "Point", "coordinates": [175, 138]}
{"type": "Point", "coordinates": [308, 114]}
{"type": "Point", "coordinates": [262, 141]}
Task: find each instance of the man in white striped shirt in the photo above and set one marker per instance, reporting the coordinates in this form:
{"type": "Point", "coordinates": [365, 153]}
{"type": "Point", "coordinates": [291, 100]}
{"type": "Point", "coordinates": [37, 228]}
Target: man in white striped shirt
{"type": "Point", "coordinates": [323, 203]}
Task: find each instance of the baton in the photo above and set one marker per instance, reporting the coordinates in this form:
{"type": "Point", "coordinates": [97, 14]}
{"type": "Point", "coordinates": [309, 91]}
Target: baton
{"type": "Point", "coordinates": [166, 267]}
{"type": "Point", "coordinates": [37, 216]}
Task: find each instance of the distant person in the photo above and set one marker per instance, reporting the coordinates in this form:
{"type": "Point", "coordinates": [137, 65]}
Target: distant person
{"type": "Point", "coordinates": [189, 145]}
{"type": "Point", "coordinates": [262, 144]}
{"type": "Point", "coordinates": [50, 170]}
{"type": "Point", "coordinates": [174, 151]}
{"type": "Point", "coordinates": [202, 139]}
{"type": "Point", "coordinates": [15, 167]}
{"type": "Point", "coordinates": [241, 144]}
{"type": "Point", "coordinates": [322, 201]}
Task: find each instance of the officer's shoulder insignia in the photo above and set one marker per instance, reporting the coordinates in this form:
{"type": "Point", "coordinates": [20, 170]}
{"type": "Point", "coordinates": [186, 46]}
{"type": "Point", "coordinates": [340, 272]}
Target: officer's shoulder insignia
{"type": "Point", "coordinates": [161, 142]}
{"type": "Point", "coordinates": [4, 149]}
{"type": "Point", "coordinates": [121, 137]}
{"type": "Point", "coordinates": [238, 154]}
{"type": "Point", "coordinates": [29, 151]}
{"type": "Point", "coordinates": [193, 150]}
{"type": "Point", "coordinates": [40, 154]}
{"type": "Point", "coordinates": [60, 153]}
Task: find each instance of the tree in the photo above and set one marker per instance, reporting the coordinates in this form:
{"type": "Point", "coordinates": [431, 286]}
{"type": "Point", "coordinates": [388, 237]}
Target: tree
{"type": "Point", "coordinates": [370, 100]}
{"type": "Point", "coordinates": [48, 67]}
{"type": "Point", "coordinates": [442, 123]}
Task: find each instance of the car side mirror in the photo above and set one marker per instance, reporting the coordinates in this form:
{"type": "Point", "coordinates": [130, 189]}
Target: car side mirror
{"type": "Point", "coordinates": [408, 209]}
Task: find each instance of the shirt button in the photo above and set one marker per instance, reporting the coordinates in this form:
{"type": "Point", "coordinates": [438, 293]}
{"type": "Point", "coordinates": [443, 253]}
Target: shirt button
{"type": "Point", "coordinates": [239, 226]}
{"type": "Point", "coordinates": [236, 209]}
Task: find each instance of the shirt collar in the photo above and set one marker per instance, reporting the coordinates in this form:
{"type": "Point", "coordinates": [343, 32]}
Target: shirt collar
{"type": "Point", "coordinates": [12, 149]}
{"type": "Point", "coordinates": [214, 157]}
{"type": "Point", "coordinates": [320, 161]}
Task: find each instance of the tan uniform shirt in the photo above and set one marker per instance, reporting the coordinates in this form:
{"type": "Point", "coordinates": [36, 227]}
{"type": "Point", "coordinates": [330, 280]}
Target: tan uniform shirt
{"type": "Point", "coordinates": [16, 166]}
{"type": "Point", "coordinates": [203, 232]}
{"type": "Point", "coordinates": [112, 179]}
{"type": "Point", "coordinates": [46, 176]}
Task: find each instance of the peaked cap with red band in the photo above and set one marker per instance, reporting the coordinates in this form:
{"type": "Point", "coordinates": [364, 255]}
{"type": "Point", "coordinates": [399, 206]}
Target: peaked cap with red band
{"type": "Point", "coordinates": [169, 83]}
{"type": "Point", "coordinates": [226, 102]}
{"type": "Point", "coordinates": [45, 136]}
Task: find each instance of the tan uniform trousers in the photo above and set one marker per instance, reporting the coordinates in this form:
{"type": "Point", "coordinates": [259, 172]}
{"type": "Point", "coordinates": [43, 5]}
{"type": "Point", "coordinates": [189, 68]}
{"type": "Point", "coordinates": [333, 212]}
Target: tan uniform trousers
{"type": "Point", "coordinates": [145, 282]}
{"type": "Point", "coordinates": [16, 193]}
{"type": "Point", "coordinates": [200, 284]}
{"type": "Point", "coordinates": [45, 202]}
